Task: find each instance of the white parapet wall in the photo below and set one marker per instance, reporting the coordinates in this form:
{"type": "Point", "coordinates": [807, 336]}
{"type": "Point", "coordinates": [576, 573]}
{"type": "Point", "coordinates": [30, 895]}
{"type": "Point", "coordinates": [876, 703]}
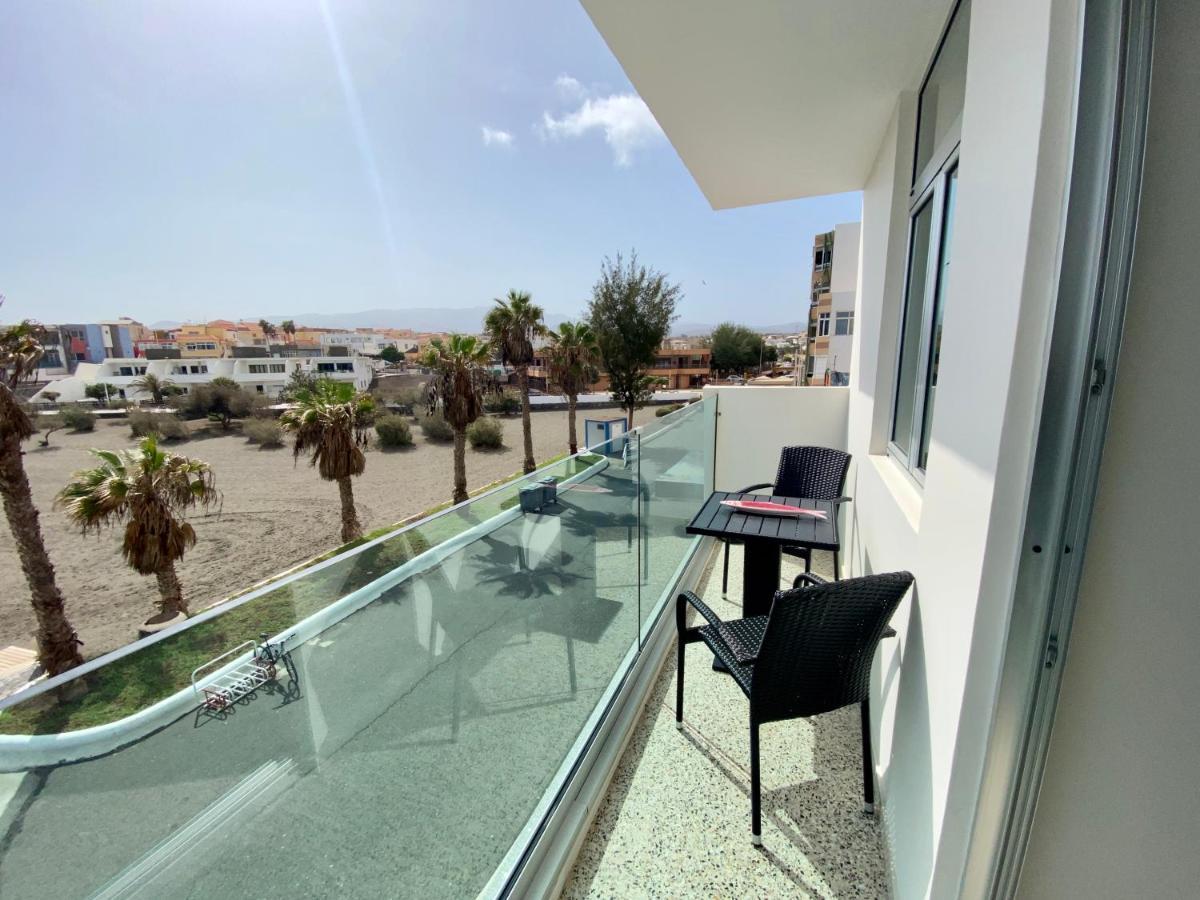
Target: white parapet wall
{"type": "Point", "coordinates": [753, 423]}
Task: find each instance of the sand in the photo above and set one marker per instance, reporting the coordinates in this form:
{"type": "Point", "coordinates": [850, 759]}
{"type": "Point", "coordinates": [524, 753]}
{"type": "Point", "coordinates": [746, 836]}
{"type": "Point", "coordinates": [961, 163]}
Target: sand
{"type": "Point", "coordinates": [274, 515]}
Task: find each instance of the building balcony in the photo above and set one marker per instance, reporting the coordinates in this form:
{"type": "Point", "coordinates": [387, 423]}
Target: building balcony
{"type": "Point", "coordinates": [457, 694]}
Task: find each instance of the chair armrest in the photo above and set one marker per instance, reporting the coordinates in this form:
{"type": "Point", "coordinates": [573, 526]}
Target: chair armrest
{"type": "Point", "coordinates": [841, 499]}
{"type": "Point", "coordinates": [687, 597]}
{"type": "Point", "coordinates": [811, 579]}
{"type": "Point", "coordinates": [749, 489]}
{"type": "Point", "coordinates": [889, 631]}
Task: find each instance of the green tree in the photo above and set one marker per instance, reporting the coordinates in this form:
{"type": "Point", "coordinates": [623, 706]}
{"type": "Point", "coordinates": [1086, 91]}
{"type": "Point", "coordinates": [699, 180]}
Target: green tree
{"type": "Point", "coordinates": [149, 491]}
{"type": "Point", "coordinates": [460, 383]}
{"type": "Point", "coordinates": [102, 391]}
{"type": "Point", "coordinates": [57, 642]}
{"type": "Point", "coordinates": [332, 425]}
{"type": "Point", "coordinates": [513, 325]}
{"type": "Point", "coordinates": [631, 311]}
{"type": "Point", "coordinates": [574, 359]}
{"type": "Point", "coordinates": [390, 354]}
{"type": "Point", "coordinates": [151, 384]}
{"type": "Point", "coordinates": [289, 329]}
{"type": "Point", "coordinates": [736, 348]}
{"type": "Point", "coordinates": [268, 329]}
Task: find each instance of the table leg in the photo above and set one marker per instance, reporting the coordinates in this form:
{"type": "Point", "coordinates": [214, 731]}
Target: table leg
{"type": "Point", "coordinates": [761, 561]}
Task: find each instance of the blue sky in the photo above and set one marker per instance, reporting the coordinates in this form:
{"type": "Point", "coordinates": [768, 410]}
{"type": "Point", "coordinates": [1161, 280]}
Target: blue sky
{"type": "Point", "coordinates": [170, 159]}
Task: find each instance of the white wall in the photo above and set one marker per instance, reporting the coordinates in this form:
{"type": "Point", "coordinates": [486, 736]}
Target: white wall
{"type": "Point", "coordinates": [958, 532]}
{"type": "Point", "coordinates": [1117, 813]}
{"type": "Point", "coordinates": [754, 422]}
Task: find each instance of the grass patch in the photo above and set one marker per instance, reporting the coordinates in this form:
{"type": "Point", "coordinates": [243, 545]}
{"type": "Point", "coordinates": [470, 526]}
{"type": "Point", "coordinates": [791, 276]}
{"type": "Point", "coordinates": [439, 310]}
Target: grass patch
{"type": "Point", "coordinates": [141, 679]}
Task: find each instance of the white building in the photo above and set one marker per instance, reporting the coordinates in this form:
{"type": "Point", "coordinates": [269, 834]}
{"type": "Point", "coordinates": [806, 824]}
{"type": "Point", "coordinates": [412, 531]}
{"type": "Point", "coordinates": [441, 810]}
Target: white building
{"type": "Point", "coordinates": [369, 343]}
{"type": "Point", "coordinates": [266, 375]}
{"type": "Point", "coordinates": [1037, 142]}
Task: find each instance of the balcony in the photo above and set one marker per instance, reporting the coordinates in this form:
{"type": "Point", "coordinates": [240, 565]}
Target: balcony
{"type": "Point", "coordinates": [456, 690]}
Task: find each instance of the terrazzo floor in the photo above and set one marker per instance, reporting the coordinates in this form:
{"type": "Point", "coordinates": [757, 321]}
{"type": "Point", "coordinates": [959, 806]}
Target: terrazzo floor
{"type": "Point", "coordinates": [676, 819]}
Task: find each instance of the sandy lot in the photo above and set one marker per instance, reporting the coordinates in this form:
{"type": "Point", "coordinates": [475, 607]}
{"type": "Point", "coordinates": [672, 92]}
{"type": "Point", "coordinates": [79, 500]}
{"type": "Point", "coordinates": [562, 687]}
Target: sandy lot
{"type": "Point", "coordinates": [274, 515]}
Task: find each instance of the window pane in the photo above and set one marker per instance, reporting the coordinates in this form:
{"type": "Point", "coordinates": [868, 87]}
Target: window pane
{"type": "Point", "coordinates": [910, 342]}
{"type": "Point", "coordinates": [935, 346]}
{"type": "Point", "coordinates": [942, 95]}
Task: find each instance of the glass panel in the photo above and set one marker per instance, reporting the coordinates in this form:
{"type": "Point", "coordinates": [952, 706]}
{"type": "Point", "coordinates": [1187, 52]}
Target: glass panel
{"type": "Point", "coordinates": [413, 732]}
{"type": "Point", "coordinates": [910, 342]}
{"type": "Point", "coordinates": [942, 96]}
{"type": "Point", "coordinates": [935, 346]}
{"type": "Point", "coordinates": [674, 455]}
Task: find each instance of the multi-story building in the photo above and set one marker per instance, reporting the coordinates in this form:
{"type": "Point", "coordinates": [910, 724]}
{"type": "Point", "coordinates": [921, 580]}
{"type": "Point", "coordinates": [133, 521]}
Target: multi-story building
{"type": "Point", "coordinates": [831, 312]}
{"type": "Point", "coordinates": [370, 343]}
{"type": "Point", "coordinates": [679, 369]}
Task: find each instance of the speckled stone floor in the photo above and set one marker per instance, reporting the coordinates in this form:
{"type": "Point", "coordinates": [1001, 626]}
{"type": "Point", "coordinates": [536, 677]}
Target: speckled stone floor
{"type": "Point", "coordinates": [676, 819]}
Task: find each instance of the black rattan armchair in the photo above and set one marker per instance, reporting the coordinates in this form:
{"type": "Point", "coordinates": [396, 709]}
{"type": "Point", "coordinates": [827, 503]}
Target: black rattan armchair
{"type": "Point", "coordinates": [814, 473]}
{"type": "Point", "coordinates": [812, 654]}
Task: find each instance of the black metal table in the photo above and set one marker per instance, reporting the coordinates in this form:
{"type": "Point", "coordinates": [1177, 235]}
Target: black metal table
{"type": "Point", "coordinates": [764, 538]}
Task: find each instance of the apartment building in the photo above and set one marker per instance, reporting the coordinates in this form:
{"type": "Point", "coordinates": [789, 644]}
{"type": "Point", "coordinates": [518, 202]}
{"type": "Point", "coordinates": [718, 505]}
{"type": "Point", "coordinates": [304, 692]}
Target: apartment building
{"type": "Point", "coordinates": [267, 375]}
{"type": "Point", "coordinates": [834, 290]}
{"type": "Point", "coordinates": [680, 369]}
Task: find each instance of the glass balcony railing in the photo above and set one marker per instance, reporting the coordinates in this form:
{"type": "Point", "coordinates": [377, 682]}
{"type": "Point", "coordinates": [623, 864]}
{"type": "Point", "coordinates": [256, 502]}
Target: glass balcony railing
{"type": "Point", "coordinates": [440, 684]}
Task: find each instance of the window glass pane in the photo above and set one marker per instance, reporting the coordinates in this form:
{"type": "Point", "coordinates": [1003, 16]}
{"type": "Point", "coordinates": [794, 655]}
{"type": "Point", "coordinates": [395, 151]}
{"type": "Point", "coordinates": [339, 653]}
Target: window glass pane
{"type": "Point", "coordinates": [910, 342]}
{"type": "Point", "coordinates": [942, 95]}
{"type": "Point", "coordinates": [935, 346]}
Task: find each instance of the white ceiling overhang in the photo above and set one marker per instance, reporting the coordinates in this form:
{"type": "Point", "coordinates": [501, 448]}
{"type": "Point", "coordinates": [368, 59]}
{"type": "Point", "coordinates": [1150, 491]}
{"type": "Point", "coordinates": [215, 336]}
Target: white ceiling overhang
{"type": "Point", "coordinates": [767, 99]}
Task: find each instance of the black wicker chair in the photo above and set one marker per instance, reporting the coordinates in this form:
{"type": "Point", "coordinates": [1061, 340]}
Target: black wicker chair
{"type": "Point", "coordinates": [812, 654]}
{"type": "Point", "coordinates": [814, 473]}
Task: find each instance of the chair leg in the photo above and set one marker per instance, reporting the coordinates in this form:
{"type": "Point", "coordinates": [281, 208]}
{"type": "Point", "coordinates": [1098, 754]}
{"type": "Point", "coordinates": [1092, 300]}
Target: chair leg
{"type": "Point", "coordinates": [808, 561]}
{"type": "Point", "coordinates": [679, 652]}
{"type": "Point", "coordinates": [725, 572]}
{"type": "Point", "coordinates": [755, 788]}
{"type": "Point", "coordinates": [837, 568]}
{"type": "Point", "coordinates": [868, 767]}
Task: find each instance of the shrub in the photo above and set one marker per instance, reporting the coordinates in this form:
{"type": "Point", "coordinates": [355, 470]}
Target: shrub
{"type": "Point", "coordinates": [486, 434]}
{"type": "Point", "coordinates": [220, 401]}
{"type": "Point", "coordinates": [163, 425]}
{"type": "Point", "coordinates": [437, 429]}
{"type": "Point", "coordinates": [393, 431]}
{"type": "Point", "coordinates": [667, 410]}
{"type": "Point", "coordinates": [507, 403]}
{"type": "Point", "coordinates": [264, 432]}
{"type": "Point", "coordinates": [77, 419]}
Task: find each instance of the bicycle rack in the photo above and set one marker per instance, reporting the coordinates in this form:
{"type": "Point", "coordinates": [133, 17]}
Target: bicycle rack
{"type": "Point", "coordinates": [224, 689]}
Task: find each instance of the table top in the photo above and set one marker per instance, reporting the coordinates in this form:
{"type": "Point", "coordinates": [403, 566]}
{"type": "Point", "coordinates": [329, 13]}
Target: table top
{"type": "Point", "coordinates": [720, 521]}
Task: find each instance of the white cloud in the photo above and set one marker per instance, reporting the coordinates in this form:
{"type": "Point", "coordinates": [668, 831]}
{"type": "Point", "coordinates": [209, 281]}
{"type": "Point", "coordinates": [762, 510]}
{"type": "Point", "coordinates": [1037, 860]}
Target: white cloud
{"type": "Point", "coordinates": [624, 119]}
{"type": "Point", "coordinates": [569, 88]}
{"type": "Point", "coordinates": [496, 137]}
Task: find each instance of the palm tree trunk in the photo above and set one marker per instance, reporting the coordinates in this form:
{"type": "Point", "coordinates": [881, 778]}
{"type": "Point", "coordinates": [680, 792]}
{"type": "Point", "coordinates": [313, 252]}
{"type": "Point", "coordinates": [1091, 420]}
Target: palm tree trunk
{"type": "Point", "coordinates": [171, 592]}
{"type": "Point", "coordinates": [351, 527]}
{"type": "Point", "coordinates": [629, 417]}
{"type": "Point", "coordinates": [526, 426]}
{"type": "Point", "coordinates": [460, 465]}
{"type": "Point", "coordinates": [57, 642]}
{"type": "Point", "coordinates": [571, 398]}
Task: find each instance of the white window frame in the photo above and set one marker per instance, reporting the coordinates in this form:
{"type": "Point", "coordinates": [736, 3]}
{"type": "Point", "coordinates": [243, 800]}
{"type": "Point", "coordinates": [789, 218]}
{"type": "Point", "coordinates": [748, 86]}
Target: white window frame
{"type": "Point", "coordinates": [929, 187]}
{"type": "Point", "coordinates": [823, 324]}
{"type": "Point", "coordinates": [848, 319]}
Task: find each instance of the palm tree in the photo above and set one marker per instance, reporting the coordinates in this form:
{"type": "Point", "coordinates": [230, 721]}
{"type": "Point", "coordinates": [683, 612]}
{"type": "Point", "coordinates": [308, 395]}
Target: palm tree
{"type": "Point", "coordinates": [153, 385]}
{"type": "Point", "coordinates": [289, 329]}
{"type": "Point", "coordinates": [268, 329]}
{"type": "Point", "coordinates": [148, 490]}
{"type": "Point", "coordinates": [512, 326]}
{"type": "Point", "coordinates": [460, 382]}
{"type": "Point", "coordinates": [57, 642]}
{"type": "Point", "coordinates": [331, 423]}
{"type": "Point", "coordinates": [574, 364]}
